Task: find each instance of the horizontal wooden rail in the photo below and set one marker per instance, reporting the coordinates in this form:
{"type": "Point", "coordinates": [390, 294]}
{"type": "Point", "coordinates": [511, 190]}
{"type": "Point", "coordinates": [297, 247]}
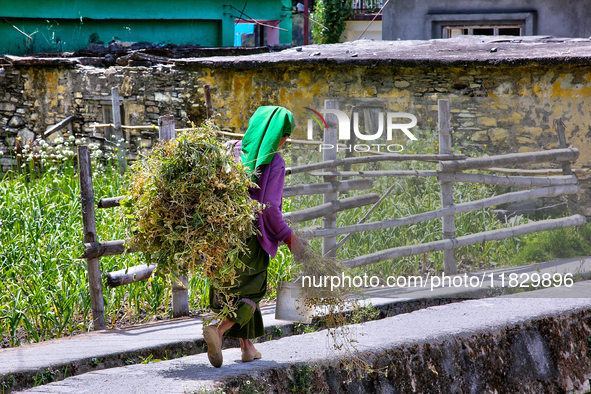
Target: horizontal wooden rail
{"type": "Point", "coordinates": [109, 202]}
{"type": "Point", "coordinates": [321, 188]}
{"type": "Point", "coordinates": [512, 181]}
{"type": "Point", "coordinates": [57, 127]}
{"type": "Point", "coordinates": [288, 191]}
{"type": "Point", "coordinates": [373, 174]}
{"type": "Point", "coordinates": [362, 160]}
{"type": "Point", "coordinates": [106, 248]}
{"type": "Point", "coordinates": [454, 209]}
{"type": "Point", "coordinates": [100, 125]}
{"type": "Point", "coordinates": [513, 159]}
{"type": "Point", "coordinates": [329, 208]}
{"type": "Point", "coordinates": [538, 172]}
{"type": "Point", "coordinates": [448, 244]}
{"type": "Point", "coordinates": [129, 275]}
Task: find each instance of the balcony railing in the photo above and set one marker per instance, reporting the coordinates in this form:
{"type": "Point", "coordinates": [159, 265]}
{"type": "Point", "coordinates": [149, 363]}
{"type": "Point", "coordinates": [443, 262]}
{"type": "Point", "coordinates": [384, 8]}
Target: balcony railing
{"type": "Point", "coordinates": [367, 6]}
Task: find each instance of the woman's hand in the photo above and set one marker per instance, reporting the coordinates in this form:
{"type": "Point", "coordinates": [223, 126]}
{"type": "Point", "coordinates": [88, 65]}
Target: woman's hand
{"type": "Point", "coordinates": [296, 246]}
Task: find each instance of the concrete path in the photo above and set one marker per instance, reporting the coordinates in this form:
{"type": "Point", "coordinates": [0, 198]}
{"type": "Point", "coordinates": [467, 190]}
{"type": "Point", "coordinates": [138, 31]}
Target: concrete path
{"type": "Point", "coordinates": [513, 330]}
{"type": "Point", "coordinates": [169, 339]}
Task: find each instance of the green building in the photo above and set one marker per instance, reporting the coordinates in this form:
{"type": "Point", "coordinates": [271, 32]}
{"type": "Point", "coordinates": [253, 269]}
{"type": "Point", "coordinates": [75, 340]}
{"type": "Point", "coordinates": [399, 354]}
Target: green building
{"type": "Point", "coordinates": [31, 26]}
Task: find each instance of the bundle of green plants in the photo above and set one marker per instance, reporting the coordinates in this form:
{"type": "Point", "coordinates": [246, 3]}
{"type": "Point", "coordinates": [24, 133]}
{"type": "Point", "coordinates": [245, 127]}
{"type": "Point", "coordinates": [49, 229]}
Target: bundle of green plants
{"type": "Point", "coordinates": [188, 208]}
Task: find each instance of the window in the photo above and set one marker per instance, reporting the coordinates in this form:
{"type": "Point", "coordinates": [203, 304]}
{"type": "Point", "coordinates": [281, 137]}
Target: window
{"type": "Point", "coordinates": [484, 30]}
{"type": "Point", "coordinates": [451, 24]}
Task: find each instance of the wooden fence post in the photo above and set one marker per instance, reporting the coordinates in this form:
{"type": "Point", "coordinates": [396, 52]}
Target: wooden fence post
{"type": "Point", "coordinates": [447, 197]}
{"type": "Point", "coordinates": [350, 150]}
{"type": "Point", "coordinates": [89, 228]}
{"type": "Point", "coordinates": [180, 285]}
{"type": "Point", "coordinates": [118, 131]}
{"type": "Point", "coordinates": [560, 128]}
{"type": "Point", "coordinates": [330, 138]}
{"type": "Point", "coordinates": [208, 104]}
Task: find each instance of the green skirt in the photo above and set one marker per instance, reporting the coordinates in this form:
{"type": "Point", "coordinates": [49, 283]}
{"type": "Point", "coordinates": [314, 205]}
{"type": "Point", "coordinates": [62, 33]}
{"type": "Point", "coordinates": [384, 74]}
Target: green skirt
{"type": "Point", "coordinates": [250, 289]}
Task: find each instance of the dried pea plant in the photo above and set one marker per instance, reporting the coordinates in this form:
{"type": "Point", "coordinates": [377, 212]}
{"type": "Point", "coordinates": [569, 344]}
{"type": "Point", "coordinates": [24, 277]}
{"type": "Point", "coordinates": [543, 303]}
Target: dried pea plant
{"type": "Point", "coordinates": [188, 208]}
{"type": "Point", "coordinates": [337, 308]}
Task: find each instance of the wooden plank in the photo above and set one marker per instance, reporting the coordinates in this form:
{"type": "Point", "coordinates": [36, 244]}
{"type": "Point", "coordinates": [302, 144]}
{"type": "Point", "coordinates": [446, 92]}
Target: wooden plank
{"type": "Point", "coordinates": [540, 172]}
{"type": "Point", "coordinates": [89, 228]}
{"type": "Point", "coordinates": [166, 131]}
{"type": "Point", "coordinates": [57, 127]}
{"type": "Point", "coordinates": [129, 275]}
{"type": "Point", "coordinates": [511, 181]}
{"type": "Point", "coordinates": [560, 127]}
{"type": "Point", "coordinates": [371, 159]}
{"type": "Point", "coordinates": [448, 224]}
{"type": "Point", "coordinates": [106, 248]}
{"type": "Point", "coordinates": [288, 191]}
{"type": "Point", "coordinates": [526, 195]}
{"type": "Point", "coordinates": [208, 103]}
{"type": "Point", "coordinates": [350, 151]}
{"type": "Point", "coordinates": [332, 207]}
{"type": "Point", "coordinates": [180, 285]}
{"type": "Point", "coordinates": [512, 159]}
{"type": "Point", "coordinates": [367, 214]}
{"type": "Point", "coordinates": [109, 202]}
{"type": "Point", "coordinates": [180, 296]}
{"type": "Point", "coordinates": [117, 130]}
{"type": "Point", "coordinates": [373, 174]}
{"type": "Point", "coordinates": [330, 197]}
{"type": "Point", "coordinates": [450, 244]}
{"type": "Point", "coordinates": [321, 188]}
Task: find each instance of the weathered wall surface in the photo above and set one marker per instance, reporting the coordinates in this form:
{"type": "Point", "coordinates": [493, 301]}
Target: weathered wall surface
{"type": "Point", "coordinates": [545, 355]}
{"type": "Point", "coordinates": [518, 103]}
{"type": "Point", "coordinates": [32, 99]}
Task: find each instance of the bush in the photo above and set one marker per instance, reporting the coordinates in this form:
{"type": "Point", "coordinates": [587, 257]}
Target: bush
{"type": "Point", "coordinates": [333, 15]}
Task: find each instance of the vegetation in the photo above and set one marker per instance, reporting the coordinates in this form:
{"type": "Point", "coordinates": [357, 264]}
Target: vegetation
{"type": "Point", "coordinates": [44, 287]}
{"type": "Point", "coordinates": [331, 17]}
{"type": "Point", "coordinates": [187, 208]}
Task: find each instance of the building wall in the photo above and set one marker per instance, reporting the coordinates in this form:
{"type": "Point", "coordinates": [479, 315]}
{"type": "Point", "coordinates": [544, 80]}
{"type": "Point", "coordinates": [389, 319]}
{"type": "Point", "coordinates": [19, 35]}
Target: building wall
{"type": "Point", "coordinates": [355, 28]}
{"type": "Point", "coordinates": [413, 19]}
{"type": "Point", "coordinates": [57, 26]}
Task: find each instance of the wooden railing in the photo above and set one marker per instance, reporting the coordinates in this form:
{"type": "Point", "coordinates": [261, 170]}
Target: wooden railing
{"type": "Point", "coordinates": [450, 171]}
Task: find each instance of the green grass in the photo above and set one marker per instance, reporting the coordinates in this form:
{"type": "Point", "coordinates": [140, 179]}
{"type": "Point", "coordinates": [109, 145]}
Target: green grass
{"type": "Point", "coordinates": [557, 244]}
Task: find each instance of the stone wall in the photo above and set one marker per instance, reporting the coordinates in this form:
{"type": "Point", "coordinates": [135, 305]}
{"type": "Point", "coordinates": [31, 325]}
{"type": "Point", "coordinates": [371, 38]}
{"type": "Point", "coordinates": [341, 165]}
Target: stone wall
{"type": "Point", "coordinates": [32, 98]}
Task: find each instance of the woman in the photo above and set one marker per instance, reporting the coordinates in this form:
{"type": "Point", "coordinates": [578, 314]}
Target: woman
{"type": "Point", "coordinates": [268, 130]}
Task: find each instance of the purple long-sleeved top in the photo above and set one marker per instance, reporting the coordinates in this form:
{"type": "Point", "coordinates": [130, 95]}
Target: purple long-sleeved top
{"type": "Point", "coordinates": [271, 225]}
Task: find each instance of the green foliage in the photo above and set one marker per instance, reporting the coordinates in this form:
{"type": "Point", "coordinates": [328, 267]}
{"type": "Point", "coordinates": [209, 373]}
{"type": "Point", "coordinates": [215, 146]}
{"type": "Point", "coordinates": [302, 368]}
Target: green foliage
{"type": "Point", "coordinates": [333, 15]}
{"type": "Point", "coordinates": [300, 384]}
{"type": "Point", "coordinates": [48, 375]}
{"type": "Point", "coordinates": [188, 208]}
{"type": "Point", "coordinates": [556, 244]}
{"type": "Point", "coordinates": [6, 383]}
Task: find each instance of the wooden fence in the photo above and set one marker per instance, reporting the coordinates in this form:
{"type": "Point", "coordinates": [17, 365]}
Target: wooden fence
{"type": "Point", "coordinates": [450, 171]}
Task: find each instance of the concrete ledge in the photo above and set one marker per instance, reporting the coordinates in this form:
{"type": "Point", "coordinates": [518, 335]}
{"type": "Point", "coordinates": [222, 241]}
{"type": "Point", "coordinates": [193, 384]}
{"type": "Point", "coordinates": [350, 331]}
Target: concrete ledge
{"type": "Point", "coordinates": [502, 345]}
{"type": "Point", "coordinates": [54, 360]}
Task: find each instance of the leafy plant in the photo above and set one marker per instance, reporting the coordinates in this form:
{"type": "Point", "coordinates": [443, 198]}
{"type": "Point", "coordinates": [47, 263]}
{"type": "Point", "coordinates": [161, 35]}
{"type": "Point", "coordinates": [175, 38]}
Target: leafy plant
{"type": "Point", "coordinates": [333, 15]}
{"type": "Point", "coordinates": [300, 384]}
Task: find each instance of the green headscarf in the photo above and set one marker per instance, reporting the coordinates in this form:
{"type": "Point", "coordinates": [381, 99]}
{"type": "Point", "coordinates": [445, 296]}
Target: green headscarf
{"type": "Point", "coordinates": [261, 140]}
